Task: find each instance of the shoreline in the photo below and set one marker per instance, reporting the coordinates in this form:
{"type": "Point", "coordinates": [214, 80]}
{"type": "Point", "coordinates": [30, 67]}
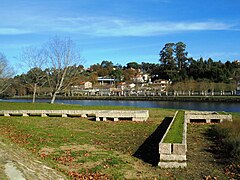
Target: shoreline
{"type": "Point", "coordinates": [143, 98]}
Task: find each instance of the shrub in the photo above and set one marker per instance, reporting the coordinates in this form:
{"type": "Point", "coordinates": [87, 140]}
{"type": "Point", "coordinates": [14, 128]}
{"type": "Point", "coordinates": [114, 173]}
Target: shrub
{"type": "Point", "coordinates": [229, 135]}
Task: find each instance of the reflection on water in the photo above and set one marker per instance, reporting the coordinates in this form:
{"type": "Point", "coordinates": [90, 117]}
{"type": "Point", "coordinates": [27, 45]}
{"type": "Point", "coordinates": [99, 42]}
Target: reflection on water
{"type": "Point", "coordinates": [204, 106]}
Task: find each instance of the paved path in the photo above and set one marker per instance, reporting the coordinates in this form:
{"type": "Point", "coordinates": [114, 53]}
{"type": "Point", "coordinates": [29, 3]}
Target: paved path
{"type": "Point", "coordinates": [18, 164]}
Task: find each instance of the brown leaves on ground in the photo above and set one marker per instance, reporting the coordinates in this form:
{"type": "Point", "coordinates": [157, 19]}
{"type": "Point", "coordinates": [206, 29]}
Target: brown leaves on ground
{"type": "Point", "coordinates": [65, 159]}
{"type": "Point", "coordinates": [23, 138]}
{"type": "Point", "coordinates": [16, 136]}
{"type": "Point", "coordinates": [67, 162]}
{"type": "Point", "coordinates": [87, 176]}
{"type": "Point", "coordinates": [233, 171]}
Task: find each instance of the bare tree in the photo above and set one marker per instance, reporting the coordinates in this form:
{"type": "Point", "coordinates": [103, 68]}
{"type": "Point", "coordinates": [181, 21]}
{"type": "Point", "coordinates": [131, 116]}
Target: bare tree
{"type": "Point", "coordinates": [61, 73]}
{"type": "Point", "coordinates": [34, 59]}
{"type": "Point", "coordinates": [6, 72]}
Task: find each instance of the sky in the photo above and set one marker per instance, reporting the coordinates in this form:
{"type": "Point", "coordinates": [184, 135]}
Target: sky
{"type": "Point", "coordinates": [123, 31]}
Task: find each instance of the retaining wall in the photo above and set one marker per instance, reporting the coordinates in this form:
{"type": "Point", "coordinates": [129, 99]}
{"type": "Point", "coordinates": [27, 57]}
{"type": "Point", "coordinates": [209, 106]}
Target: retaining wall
{"type": "Point", "coordinates": [173, 155]}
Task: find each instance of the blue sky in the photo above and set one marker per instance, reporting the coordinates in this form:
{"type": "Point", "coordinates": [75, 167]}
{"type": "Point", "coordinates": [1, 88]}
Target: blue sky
{"type": "Point", "coordinates": [123, 30]}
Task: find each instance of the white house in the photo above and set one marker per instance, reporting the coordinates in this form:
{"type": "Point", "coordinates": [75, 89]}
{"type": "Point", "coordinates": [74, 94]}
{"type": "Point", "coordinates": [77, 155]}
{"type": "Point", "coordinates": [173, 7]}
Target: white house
{"type": "Point", "coordinates": [132, 85]}
{"type": "Point", "coordinates": [82, 85]}
{"type": "Point", "coordinates": [103, 80]}
{"type": "Point", "coordinates": [162, 83]}
{"type": "Point", "coordinates": [141, 78]}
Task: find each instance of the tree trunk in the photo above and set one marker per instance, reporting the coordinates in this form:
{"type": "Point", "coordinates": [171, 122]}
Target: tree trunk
{"type": "Point", "coordinates": [34, 92]}
{"type": "Point", "coordinates": [212, 93]}
{"type": "Point", "coordinates": [53, 97]}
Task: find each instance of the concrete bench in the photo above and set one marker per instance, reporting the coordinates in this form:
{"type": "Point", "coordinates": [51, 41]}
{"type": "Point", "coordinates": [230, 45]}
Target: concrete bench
{"type": "Point", "coordinates": [115, 115]}
{"type": "Point", "coordinates": [206, 117]}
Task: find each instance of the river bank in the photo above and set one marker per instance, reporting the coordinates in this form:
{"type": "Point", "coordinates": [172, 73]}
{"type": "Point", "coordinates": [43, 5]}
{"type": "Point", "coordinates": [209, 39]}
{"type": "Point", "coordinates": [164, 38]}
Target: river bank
{"type": "Point", "coordinates": [235, 99]}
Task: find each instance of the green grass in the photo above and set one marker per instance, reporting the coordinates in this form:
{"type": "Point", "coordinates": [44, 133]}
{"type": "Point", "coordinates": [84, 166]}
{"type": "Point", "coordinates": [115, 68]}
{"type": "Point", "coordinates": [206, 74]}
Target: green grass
{"type": "Point", "coordinates": [229, 135]}
{"type": "Point", "coordinates": [110, 145]}
{"type": "Point", "coordinates": [175, 133]}
{"type": "Point", "coordinates": [223, 113]}
{"type": "Point", "coordinates": [226, 138]}
{"type": "Point", "coordinates": [47, 106]}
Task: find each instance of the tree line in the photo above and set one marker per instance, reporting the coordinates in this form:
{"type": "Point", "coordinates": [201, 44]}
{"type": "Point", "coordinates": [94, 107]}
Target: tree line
{"type": "Point", "coordinates": [177, 66]}
{"type": "Point", "coordinates": [57, 65]}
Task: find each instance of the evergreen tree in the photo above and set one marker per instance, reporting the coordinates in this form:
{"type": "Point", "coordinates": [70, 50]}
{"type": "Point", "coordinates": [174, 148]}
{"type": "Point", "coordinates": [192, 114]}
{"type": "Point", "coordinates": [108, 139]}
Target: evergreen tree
{"type": "Point", "coordinates": [181, 55]}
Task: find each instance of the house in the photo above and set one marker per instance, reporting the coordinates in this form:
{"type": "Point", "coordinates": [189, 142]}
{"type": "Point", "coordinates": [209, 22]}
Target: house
{"type": "Point", "coordinates": [105, 80]}
{"type": "Point", "coordinates": [162, 84]}
{"type": "Point", "coordinates": [122, 85]}
{"type": "Point", "coordinates": [146, 78]}
{"type": "Point", "coordinates": [141, 78]}
{"type": "Point", "coordinates": [138, 78]}
{"type": "Point", "coordinates": [237, 62]}
{"type": "Point", "coordinates": [132, 85]}
{"type": "Point", "coordinates": [82, 86]}
{"type": "Point", "coordinates": [85, 85]}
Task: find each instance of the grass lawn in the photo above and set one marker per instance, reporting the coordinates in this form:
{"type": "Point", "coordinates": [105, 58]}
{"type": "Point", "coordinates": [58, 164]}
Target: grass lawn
{"type": "Point", "coordinates": [47, 106]}
{"type": "Point", "coordinates": [78, 146]}
{"type": "Point", "coordinates": [175, 133]}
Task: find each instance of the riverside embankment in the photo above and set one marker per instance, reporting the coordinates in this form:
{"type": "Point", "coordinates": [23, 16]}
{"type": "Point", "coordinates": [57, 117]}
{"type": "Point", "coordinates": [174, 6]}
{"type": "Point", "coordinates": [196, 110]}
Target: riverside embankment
{"type": "Point", "coordinates": [145, 98]}
{"type": "Point", "coordinates": [229, 104]}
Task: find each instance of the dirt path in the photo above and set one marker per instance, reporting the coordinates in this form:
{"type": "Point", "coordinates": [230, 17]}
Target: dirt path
{"type": "Point", "coordinates": [18, 164]}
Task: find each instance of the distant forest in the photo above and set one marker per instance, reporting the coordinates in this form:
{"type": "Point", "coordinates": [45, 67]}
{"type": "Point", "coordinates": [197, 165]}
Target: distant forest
{"type": "Point", "coordinates": [177, 66]}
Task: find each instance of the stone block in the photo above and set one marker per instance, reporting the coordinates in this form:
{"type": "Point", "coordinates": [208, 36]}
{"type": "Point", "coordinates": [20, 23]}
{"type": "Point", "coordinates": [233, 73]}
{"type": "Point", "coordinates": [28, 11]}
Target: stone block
{"type": "Point", "coordinates": [172, 164]}
{"type": "Point", "coordinates": [64, 115]}
{"type": "Point", "coordinates": [208, 120]}
{"type": "Point", "coordinates": [25, 114]}
{"type": "Point", "coordinates": [172, 157]}
{"type": "Point", "coordinates": [97, 118]}
{"type": "Point", "coordinates": [83, 115]}
{"type": "Point", "coordinates": [179, 149]}
{"type": "Point", "coordinates": [165, 148]}
{"type": "Point", "coordinates": [44, 115]}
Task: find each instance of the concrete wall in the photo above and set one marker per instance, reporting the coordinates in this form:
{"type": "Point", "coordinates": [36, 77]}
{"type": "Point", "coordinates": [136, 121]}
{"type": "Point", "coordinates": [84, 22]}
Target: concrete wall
{"type": "Point", "coordinates": [173, 155]}
{"type": "Point", "coordinates": [138, 115]}
{"type": "Point", "coordinates": [208, 116]}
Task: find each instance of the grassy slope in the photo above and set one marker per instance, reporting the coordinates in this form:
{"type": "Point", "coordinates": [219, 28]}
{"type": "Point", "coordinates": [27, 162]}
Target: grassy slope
{"type": "Point", "coordinates": [79, 145]}
{"type": "Point", "coordinates": [175, 133]}
{"type": "Point", "coordinates": [47, 106]}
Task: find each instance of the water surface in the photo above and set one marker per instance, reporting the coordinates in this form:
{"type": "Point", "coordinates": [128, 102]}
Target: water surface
{"type": "Point", "coordinates": [203, 106]}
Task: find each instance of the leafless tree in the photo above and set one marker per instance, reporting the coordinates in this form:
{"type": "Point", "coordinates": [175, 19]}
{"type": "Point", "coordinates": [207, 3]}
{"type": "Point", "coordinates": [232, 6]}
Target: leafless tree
{"type": "Point", "coordinates": [34, 60]}
{"type": "Point", "coordinates": [6, 72]}
{"type": "Point", "coordinates": [62, 73]}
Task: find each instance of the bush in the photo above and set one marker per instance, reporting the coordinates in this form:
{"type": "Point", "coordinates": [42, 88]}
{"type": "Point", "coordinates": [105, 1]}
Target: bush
{"type": "Point", "coordinates": [229, 135]}
{"type": "Point", "coordinates": [233, 146]}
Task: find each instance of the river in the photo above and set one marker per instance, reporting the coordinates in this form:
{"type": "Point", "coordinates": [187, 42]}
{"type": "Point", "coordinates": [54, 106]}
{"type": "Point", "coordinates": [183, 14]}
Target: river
{"type": "Point", "coordinates": [203, 106]}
